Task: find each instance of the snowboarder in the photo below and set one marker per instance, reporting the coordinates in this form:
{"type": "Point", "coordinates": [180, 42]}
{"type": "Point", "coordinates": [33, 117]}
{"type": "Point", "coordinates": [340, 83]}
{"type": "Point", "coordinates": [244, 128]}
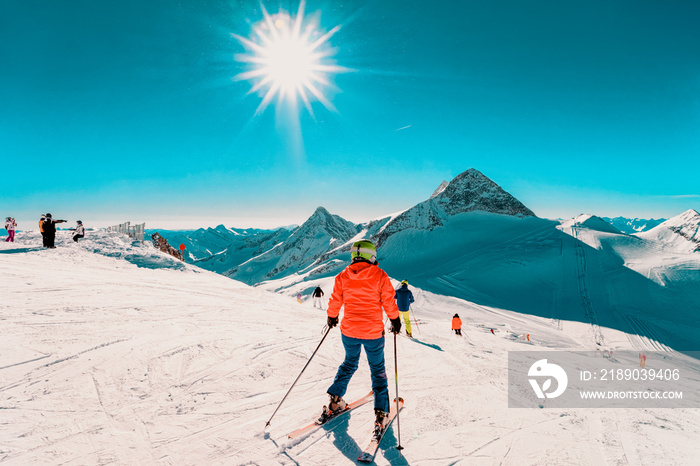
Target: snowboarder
{"type": "Point", "coordinates": [79, 231]}
{"type": "Point", "coordinates": [404, 298]}
{"type": "Point", "coordinates": [10, 226]}
{"type": "Point", "coordinates": [299, 298]}
{"type": "Point", "coordinates": [457, 325]}
{"type": "Point", "coordinates": [50, 230]}
{"type": "Point", "coordinates": [317, 294]}
{"type": "Point", "coordinates": [364, 289]}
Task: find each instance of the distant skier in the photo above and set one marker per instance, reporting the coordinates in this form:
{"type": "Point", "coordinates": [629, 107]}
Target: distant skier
{"type": "Point", "coordinates": [365, 290]}
{"type": "Point", "coordinates": [50, 230]}
{"type": "Point", "coordinates": [457, 325]}
{"type": "Point", "coordinates": [404, 298]}
{"type": "Point", "coordinates": [79, 231]}
{"type": "Point", "coordinates": [10, 226]}
{"type": "Point", "coordinates": [299, 298]}
{"type": "Point", "coordinates": [317, 294]}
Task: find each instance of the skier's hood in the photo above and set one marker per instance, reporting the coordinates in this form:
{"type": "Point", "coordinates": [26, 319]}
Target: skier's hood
{"type": "Point", "coordinates": [361, 270]}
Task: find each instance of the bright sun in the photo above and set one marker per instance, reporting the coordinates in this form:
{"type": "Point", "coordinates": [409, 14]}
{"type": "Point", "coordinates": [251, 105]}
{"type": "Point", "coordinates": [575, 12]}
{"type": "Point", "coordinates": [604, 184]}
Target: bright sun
{"type": "Point", "coordinates": [288, 60]}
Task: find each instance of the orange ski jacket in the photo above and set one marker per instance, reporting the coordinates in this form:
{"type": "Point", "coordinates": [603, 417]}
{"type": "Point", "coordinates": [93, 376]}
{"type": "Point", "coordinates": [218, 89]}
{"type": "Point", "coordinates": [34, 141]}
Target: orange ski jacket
{"type": "Point", "coordinates": [456, 323]}
{"type": "Point", "coordinates": [364, 289]}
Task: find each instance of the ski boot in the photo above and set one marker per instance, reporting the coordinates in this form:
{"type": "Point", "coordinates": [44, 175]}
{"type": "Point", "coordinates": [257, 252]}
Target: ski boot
{"type": "Point", "coordinates": [380, 423]}
{"type": "Point", "coordinates": [336, 405]}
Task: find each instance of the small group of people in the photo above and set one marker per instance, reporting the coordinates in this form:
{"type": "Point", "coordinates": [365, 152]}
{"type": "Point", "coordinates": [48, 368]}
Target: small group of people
{"type": "Point", "coordinates": [47, 227]}
{"type": "Point", "coordinates": [404, 298]}
{"type": "Point", "coordinates": [10, 226]}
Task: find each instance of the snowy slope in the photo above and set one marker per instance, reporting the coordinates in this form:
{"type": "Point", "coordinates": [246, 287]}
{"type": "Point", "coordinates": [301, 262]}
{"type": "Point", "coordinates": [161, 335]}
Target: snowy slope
{"type": "Point", "coordinates": [589, 229]}
{"type": "Point", "coordinates": [590, 222]}
{"type": "Point", "coordinates": [106, 361]}
{"type": "Point", "coordinates": [680, 233]}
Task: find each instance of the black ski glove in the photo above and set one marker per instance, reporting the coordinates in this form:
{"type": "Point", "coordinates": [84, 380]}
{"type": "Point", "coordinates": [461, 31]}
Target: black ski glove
{"type": "Point", "coordinates": [332, 322]}
{"type": "Point", "coordinates": [395, 325]}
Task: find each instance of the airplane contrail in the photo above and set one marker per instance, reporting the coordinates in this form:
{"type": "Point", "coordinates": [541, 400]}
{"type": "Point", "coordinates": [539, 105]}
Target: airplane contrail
{"type": "Point", "coordinates": [403, 128]}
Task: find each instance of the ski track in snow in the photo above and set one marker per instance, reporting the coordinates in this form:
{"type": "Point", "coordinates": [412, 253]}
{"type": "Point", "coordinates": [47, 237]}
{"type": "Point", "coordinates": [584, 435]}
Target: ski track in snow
{"type": "Point", "coordinates": [106, 362]}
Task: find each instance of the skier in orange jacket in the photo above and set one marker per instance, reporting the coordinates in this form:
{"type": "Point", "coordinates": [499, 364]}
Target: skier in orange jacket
{"type": "Point", "coordinates": [365, 290]}
{"type": "Point", "coordinates": [457, 325]}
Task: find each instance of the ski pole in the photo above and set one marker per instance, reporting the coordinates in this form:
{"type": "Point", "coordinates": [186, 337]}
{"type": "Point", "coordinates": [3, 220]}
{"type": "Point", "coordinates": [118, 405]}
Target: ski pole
{"type": "Point", "coordinates": [414, 318]}
{"type": "Point", "coordinates": [297, 379]}
{"type": "Point", "coordinates": [396, 378]}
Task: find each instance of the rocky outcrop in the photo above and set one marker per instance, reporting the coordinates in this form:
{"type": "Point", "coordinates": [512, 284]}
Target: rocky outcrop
{"type": "Point", "coordinates": [162, 244]}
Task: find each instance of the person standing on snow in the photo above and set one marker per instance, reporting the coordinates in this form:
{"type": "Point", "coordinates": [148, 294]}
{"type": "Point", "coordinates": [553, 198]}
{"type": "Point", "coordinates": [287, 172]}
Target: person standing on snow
{"type": "Point", "coordinates": [79, 231]}
{"type": "Point", "coordinates": [317, 294]}
{"type": "Point", "coordinates": [10, 226]}
{"type": "Point", "coordinates": [41, 230]}
{"type": "Point", "coordinates": [404, 298]}
{"type": "Point", "coordinates": [457, 325]}
{"type": "Point", "coordinates": [364, 289]}
{"type": "Point", "coordinates": [50, 230]}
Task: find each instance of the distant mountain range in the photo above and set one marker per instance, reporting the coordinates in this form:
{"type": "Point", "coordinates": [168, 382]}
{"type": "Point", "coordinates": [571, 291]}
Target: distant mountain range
{"type": "Point", "coordinates": [473, 240]}
{"type": "Point", "coordinates": [220, 249]}
{"type": "Point", "coordinates": [633, 225]}
{"type": "Point", "coordinates": [319, 246]}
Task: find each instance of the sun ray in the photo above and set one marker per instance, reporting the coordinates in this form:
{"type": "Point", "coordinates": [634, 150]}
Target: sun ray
{"type": "Point", "coordinates": [289, 60]}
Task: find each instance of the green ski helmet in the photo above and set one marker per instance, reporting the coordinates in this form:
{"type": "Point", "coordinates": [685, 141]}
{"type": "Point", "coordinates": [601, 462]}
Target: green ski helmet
{"type": "Point", "coordinates": [363, 249]}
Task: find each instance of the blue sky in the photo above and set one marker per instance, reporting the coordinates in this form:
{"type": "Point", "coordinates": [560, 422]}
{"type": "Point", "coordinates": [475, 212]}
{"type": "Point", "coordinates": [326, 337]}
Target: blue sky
{"type": "Point", "coordinates": [115, 111]}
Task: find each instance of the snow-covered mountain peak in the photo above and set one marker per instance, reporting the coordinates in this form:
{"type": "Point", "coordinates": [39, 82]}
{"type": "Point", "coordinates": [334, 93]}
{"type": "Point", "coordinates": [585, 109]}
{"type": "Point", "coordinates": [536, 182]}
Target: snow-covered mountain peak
{"type": "Point", "coordinates": [319, 234]}
{"type": "Point", "coordinates": [322, 220]}
{"type": "Point", "coordinates": [688, 220]}
{"type": "Point", "coordinates": [472, 190]}
{"type": "Point", "coordinates": [320, 214]}
{"type": "Point", "coordinates": [681, 233]}
{"type": "Point", "coordinates": [467, 192]}
{"type": "Point", "coordinates": [690, 216]}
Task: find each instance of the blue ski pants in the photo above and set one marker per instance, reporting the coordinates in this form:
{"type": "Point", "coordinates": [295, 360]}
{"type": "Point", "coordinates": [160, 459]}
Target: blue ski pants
{"type": "Point", "coordinates": [374, 349]}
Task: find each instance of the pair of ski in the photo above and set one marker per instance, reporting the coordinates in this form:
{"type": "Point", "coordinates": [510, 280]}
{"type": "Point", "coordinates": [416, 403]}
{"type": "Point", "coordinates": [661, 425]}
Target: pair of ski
{"type": "Point", "coordinates": [367, 455]}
